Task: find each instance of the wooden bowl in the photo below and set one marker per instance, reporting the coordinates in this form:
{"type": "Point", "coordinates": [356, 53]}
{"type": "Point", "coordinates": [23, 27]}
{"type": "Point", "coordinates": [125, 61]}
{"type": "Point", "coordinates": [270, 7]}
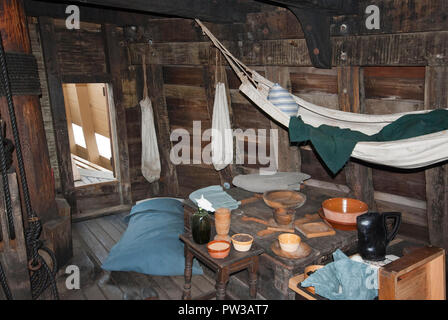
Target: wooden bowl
{"type": "Point", "coordinates": [308, 271]}
{"type": "Point", "coordinates": [242, 241]}
{"type": "Point", "coordinates": [343, 210]}
{"type": "Point", "coordinates": [284, 199]}
{"type": "Point", "coordinates": [289, 242]}
{"type": "Point", "coordinates": [218, 249]}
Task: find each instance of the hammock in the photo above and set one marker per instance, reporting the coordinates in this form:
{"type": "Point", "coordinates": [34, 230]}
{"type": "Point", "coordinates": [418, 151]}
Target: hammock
{"type": "Point", "coordinates": [410, 153]}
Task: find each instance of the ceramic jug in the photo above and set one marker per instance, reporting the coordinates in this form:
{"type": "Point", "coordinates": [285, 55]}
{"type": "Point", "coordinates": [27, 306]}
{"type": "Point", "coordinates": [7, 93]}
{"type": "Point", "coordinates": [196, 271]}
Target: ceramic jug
{"type": "Point", "coordinates": [373, 236]}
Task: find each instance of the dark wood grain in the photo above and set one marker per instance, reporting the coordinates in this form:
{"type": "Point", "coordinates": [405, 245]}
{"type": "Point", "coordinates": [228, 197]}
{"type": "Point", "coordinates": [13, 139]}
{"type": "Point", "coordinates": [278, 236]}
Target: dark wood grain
{"type": "Point", "coordinates": [436, 87]}
{"type": "Point", "coordinates": [162, 123]}
{"type": "Point", "coordinates": [116, 59]}
{"type": "Point", "coordinates": [358, 177]}
{"type": "Point", "coordinates": [57, 104]}
{"type": "Point", "coordinates": [29, 119]}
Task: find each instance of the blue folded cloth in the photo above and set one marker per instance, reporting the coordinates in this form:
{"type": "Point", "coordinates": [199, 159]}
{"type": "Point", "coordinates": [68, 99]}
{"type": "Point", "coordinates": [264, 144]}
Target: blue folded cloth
{"type": "Point", "coordinates": [216, 196]}
{"type": "Point", "coordinates": [344, 279]}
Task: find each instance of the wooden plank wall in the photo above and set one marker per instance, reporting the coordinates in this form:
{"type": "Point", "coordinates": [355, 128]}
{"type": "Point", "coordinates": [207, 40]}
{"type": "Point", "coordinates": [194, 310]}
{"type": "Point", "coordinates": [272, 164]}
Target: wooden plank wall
{"type": "Point", "coordinates": [81, 57]}
{"type": "Point", "coordinates": [391, 77]}
{"type": "Point", "coordinates": [45, 102]}
{"type": "Point", "coordinates": [391, 66]}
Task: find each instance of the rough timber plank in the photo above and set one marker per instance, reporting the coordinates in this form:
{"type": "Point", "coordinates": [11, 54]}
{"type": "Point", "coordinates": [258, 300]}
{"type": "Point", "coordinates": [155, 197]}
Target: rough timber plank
{"type": "Point", "coordinates": [93, 292]}
{"type": "Point", "coordinates": [417, 49]}
{"type": "Point", "coordinates": [97, 250]}
{"type": "Point", "coordinates": [56, 96]}
{"type": "Point", "coordinates": [155, 86]}
{"type": "Point", "coordinates": [437, 177]}
{"type": "Point", "coordinates": [358, 177]}
{"type": "Point", "coordinates": [116, 58]}
{"type": "Point", "coordinates": [169, 286]}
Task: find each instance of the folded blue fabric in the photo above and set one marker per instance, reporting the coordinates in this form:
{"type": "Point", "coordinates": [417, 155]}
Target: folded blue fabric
{"type": "Point", "coordinates": [151, 244]}
{"type": "Point", "coordinates": [216, 196]}
{"type": "Point", "coordinates": [344, 279]}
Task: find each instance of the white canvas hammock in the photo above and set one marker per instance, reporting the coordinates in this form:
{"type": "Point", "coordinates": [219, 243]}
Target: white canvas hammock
{"type": "Point", "coordinates": [410, 153]}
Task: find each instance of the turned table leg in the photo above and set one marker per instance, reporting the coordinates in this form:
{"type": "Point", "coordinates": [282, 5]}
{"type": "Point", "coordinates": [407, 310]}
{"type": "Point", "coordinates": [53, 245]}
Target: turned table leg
{"type": "Point", "coordinates": [221, 283]}
{"type": "Point", "coordinates": [253, 274]}
{"type": "Point", "coordinates": [188, 273]}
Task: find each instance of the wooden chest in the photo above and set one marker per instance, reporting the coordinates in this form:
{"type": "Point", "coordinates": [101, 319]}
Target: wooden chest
{"type": "Point", "coordinates": [418, 275]}
{"type": "Point", "coordinates": [274, 271]}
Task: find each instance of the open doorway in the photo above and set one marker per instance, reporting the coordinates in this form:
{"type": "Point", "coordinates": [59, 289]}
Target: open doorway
{"type": "Point", "coordinates": [90, 136]}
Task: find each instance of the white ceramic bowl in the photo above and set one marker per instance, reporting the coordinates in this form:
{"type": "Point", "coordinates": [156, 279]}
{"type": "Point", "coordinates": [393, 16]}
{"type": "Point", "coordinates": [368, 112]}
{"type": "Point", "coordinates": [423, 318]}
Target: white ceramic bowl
{"type": "Point", "coordinates": [242, 241]}
{"type": "Point", "coordinates": [289, 242]}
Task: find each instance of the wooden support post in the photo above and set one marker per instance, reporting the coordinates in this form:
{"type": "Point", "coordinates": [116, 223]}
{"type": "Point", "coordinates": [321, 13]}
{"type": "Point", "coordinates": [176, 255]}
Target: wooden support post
{"type": "Point", "coordinates": [57, 104]}
{"type": "Point", "coordinates": [116, 61]}
{"type": "Point", "coordinates": [210, 81]}
{"type": "Point", "coordinates": [436, 96]}
{"type": "Point", "coordinates": [358, 177]}
{"type": "Point", "coordinates": [58, 233]}
{"type": "Point", "coordinates": [13, 252]}
{"type": "Point", "coordinates": [13, 28]}
{"type": "Point", "coordinates": [168, 176]}
{"type": "Point", "coordinates": [288, 156]}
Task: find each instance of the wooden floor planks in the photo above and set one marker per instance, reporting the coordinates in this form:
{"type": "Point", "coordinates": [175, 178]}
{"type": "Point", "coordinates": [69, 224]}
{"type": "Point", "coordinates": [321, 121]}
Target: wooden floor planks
{"type": "Point", "coordinates": [92, 241]}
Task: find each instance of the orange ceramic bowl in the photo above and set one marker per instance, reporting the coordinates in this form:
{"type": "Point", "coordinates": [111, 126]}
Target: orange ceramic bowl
{"type": "Point", "coordinates": [218, 249]}
{"type": "Point", "coordinates": [343, 210]}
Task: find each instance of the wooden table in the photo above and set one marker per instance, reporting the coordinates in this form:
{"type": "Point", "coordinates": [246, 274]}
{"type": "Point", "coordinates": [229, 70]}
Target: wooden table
{"type": "Point", "coordinates": [234, 262]}
{"type": "Point", "coordinates": [275, 271]}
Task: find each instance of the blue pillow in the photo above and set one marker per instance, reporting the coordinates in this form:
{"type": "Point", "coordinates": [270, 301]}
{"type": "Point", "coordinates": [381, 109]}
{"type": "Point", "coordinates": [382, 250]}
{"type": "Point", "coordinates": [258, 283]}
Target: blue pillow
{"type": "Point", "coordinates": [151, 243]}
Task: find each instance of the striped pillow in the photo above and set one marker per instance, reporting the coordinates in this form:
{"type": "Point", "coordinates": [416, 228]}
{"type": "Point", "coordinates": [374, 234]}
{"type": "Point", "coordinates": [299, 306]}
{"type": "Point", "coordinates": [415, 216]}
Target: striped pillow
{"type": "Point", "coordinates": [283, 100]}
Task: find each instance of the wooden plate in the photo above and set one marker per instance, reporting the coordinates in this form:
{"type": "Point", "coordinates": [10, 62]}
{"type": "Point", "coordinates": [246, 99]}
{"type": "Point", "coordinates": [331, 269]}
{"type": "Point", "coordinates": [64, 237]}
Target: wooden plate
{"type": "Point", "coordinates": [313, 226]}
{"type": "Point", "coordinates": [303, 251]}
{"type": "Point", "coordinates": [337, 225]}
{"type": "Point", "coordinates": [283, 199]}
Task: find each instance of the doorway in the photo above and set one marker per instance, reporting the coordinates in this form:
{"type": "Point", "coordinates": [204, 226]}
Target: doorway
{"type": "Point", "coordinates": [89, 131]}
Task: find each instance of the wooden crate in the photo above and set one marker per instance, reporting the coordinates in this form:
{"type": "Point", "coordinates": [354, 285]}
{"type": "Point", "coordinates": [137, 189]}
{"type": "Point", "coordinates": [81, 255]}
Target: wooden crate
{"type": "Point", "coordinates": [419, 275]}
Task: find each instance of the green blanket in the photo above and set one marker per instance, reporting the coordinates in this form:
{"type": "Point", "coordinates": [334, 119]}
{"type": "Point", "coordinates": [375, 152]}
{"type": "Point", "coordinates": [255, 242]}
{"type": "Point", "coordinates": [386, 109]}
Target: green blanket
{"type": "Point", "coordinates": [335, 145]}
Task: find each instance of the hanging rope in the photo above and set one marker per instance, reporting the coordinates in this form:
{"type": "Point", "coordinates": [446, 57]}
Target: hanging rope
{"type": "Point", "coordinates": [7, 195]}
{"type": "Point", "coordinates": [245, 73]}
{"type": "Point", "coordinates": [40, 274]}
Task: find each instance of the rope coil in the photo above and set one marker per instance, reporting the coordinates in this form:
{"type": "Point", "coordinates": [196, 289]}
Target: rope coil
{"type": "Point", "coordinates": [41, 276]}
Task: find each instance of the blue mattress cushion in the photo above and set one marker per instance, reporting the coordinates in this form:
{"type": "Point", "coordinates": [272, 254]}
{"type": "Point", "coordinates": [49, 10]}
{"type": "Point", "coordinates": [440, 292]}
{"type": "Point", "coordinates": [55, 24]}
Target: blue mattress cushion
{"type": "Point", "coordinates": [151, 243]}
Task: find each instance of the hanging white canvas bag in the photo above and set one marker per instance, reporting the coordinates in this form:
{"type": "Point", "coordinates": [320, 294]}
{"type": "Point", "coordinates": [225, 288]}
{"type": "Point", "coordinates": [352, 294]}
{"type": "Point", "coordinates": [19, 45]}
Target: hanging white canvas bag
{"type": "Point", "coordinates": [150, 150]}
{"type": "Point", "coordinates": [222, 136]}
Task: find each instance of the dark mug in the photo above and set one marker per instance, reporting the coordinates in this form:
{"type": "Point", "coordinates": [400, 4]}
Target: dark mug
{"type": "Point", "coordinates": [373, 236]}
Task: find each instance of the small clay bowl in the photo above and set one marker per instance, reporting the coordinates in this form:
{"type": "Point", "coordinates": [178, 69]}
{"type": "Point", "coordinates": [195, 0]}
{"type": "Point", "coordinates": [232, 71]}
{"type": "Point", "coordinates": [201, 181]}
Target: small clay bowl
{"type": "Point", "coordinates": [289, 242]}
{"type": "Point", "coordinates": [242, 241]}
{"type": "Point", "coordinates": [344, 210]}
{"type": "Point", "coordinates": [218, 249]}
{"type": "Point", "coordinates": [309, 271]}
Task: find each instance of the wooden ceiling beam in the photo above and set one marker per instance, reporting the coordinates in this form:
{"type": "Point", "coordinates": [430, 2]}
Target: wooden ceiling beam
{"type": "Point", "coordinates": [223, 11]}
{"type": "Point", "coordinates": [56, 10]}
